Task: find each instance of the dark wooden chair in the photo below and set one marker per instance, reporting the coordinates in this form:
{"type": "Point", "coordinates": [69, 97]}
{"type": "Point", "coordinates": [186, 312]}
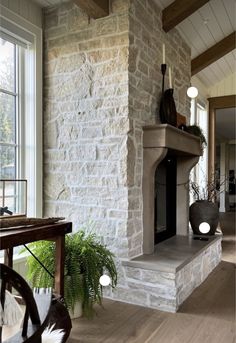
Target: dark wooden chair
{"type": "Point", "coordinates": [37, 305]}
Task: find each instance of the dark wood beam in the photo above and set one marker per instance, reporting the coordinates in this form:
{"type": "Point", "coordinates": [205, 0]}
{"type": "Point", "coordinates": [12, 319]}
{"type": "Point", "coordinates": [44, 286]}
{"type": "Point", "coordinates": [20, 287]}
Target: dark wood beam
{"type": "Point", "coordinates": [178, 10]}
{"type": "Point", "coordinates": [94, 8]}
{"type": "Point", "coordinates": [214, 53]}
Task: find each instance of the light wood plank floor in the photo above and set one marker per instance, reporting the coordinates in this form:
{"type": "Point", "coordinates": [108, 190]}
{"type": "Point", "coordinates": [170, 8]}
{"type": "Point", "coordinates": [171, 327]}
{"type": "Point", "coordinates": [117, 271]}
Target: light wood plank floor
{"type": "Point", "coordinates": [207, 316]}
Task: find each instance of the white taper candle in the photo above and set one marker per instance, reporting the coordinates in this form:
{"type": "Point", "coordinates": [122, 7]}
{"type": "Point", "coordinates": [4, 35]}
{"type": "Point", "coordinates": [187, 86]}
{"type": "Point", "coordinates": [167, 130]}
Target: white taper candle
{"type": "Point", "coordinates": [163, 53]}
{"type": "Point", "coordinates": [170, 78]}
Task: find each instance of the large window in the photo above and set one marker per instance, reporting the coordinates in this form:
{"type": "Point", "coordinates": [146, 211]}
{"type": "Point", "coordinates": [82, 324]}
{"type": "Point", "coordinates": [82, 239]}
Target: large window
{"type": "Point", "coordinates": [9, 105]}
{"type": "Point", "coordinates": [202, 121]}
{"type": "Point", "coordinates": [21, 109]}
{"type": "Point", "coordinates": [11, 95]}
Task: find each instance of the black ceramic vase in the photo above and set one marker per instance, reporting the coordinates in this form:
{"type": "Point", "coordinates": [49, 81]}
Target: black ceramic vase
{"type": "Point", "coordinates": [204, 211]}
{"type": "Point", "coordinates": [168, 113]}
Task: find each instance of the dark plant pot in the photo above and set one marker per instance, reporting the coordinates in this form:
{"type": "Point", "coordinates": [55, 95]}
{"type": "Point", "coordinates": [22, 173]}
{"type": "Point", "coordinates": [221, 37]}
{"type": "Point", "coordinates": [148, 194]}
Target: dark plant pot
{"type": "Point", "coordinates": [204, 211]}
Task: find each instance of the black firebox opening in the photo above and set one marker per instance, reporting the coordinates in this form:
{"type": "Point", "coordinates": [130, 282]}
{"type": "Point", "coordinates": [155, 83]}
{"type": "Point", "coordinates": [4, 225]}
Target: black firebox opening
{"type": "Point", "coordinates": [165, 199]}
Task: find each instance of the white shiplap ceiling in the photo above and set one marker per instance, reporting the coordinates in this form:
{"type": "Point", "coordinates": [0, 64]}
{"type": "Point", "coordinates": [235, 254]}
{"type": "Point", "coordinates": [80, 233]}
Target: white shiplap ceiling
{"type": "Point", "coordinates": [203, 29]}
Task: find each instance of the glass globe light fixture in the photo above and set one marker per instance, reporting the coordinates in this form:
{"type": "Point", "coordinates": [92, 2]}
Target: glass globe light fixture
{"type": "Point", "coordinates": [192, 92]}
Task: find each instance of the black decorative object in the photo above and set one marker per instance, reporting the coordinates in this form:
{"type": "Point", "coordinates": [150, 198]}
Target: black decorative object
{"type": "Point", "coordinates": [203, 211]}
{"type": "Point", "coordinates": [5, 210]}
{"type": "Point", "coordinates": [182, 127]}
{"type": "Point", "coordinates": [163, 71]}
{"type": "Point", "coordinates": [59, 316]}
{"type": "Point", "coordinates": [168, 114]}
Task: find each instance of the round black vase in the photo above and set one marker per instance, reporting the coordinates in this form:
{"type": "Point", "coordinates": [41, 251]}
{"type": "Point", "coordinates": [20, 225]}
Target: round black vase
{"type": "Point", "coordinates": [204, 211]}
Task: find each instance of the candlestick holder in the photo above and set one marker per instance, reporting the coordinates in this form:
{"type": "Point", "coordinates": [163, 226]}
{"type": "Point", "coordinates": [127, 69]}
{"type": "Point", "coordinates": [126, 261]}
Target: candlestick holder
{"type": "Point", "coordinates": [167, 105]}
{"type": "Point", "coordinates": [163, 71]}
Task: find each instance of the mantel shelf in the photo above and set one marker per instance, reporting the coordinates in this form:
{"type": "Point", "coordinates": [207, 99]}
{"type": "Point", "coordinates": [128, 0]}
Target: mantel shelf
{"type": "Point", "coordinates": [167, 136]}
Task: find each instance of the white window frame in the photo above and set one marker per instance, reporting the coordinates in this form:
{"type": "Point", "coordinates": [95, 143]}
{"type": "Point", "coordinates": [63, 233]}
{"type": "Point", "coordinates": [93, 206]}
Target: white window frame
{"type": "Point", "coordinates": [31, 133]}
{"type": "Point", "coordinates": [202, 121]}
{"type": "Point", "coordinates": [199, 173]}
{"type": "Point", "coordinates": [18, 144]}
{"type": "Point", "coordinates": [14, 93]}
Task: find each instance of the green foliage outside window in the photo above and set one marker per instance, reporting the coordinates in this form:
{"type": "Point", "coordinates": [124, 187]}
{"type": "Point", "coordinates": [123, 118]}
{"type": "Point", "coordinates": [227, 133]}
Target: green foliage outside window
{"type": "Point", "coordinates": [8, 107]}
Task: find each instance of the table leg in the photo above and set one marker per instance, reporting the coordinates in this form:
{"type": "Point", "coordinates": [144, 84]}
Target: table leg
{"type": "Point", "coordinates": [60, 259]}
{"type": "Point", "coordinates": [8, 257]}
{"type": "Point", "coordinates": [8, 261]}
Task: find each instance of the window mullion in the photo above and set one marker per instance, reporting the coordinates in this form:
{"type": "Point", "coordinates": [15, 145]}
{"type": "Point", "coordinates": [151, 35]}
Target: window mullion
{"type": "Point", "coordinates": [21, 116]}
{"type": "Point", "coordinates": [16, 69]}
{"type": "Point", "coordinates": [5, 91]}
{"type": "Point", "coordinates": [8, 144]}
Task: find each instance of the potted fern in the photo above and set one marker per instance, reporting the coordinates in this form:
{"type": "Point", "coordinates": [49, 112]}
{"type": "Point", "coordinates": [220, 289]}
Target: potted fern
{"type": "Point", "coordinates": [85, 261]}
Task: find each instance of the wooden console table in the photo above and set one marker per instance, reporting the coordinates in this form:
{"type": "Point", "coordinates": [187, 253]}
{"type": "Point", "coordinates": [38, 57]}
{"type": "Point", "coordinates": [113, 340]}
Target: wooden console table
{"type": "Point", "coordinates": [22, 235]}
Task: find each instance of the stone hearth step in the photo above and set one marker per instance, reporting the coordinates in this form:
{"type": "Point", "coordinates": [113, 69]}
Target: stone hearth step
{"type": "Point", "coordinates": [166, 278]}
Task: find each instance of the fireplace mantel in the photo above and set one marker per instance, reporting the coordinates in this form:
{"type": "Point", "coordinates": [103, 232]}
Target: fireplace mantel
{"type": "Point", "coordinates": [167, 136]}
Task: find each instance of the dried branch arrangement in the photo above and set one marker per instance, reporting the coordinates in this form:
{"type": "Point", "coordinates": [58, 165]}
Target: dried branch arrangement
{"type": "Point", "coordinates": [209, 191]}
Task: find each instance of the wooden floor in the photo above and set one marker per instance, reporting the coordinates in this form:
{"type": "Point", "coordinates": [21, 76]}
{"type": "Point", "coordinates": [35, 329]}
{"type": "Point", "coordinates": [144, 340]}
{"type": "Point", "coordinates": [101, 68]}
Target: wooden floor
{"type": "Point", "coordinates": [207, 316]}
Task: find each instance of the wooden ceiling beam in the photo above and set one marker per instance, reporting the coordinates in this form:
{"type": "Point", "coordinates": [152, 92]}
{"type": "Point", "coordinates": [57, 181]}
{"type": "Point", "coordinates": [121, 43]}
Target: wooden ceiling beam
{"type": "Point", "coordinates": [179, 10]}
{"type": "Point", "coordinates": [94, 8]}
{"type": "Point", "coordinates": [214, 53]}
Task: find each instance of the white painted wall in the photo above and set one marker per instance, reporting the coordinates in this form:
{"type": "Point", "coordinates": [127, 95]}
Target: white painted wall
{"type": "Point", "coordinates": [25, 9]}
{"type": "Point", "coordinates": [203, 92]}
{"type": "Point", "coordinates": [225, 87]}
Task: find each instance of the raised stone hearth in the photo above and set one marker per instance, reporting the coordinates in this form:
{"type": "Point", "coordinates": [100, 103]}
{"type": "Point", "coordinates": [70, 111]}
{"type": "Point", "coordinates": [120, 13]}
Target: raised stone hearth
{"type": "Point", "coordinates": [164, 279]}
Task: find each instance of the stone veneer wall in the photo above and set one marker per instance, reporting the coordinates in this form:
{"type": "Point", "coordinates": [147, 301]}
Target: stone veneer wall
{"type": "Point", "coordinates": [86, 120]}
{"type": "Point", "coordinates": [102, 83]}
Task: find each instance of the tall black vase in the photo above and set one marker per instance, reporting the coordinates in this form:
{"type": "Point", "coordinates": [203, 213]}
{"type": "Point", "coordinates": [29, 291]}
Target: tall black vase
{"type": "Point", "coordinates": [168, 114]}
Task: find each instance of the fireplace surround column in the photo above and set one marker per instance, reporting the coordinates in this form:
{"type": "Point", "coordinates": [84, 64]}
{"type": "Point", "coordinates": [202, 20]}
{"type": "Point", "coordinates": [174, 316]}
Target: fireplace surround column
{"type": "Point", "coordinates": [152, 157]}
{"type": "Point", "coordinates": [184, 166]}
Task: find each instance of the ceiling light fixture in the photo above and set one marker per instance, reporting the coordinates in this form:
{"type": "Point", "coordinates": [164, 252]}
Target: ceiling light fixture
{"type": "Point", "coordinates": [192, 92]}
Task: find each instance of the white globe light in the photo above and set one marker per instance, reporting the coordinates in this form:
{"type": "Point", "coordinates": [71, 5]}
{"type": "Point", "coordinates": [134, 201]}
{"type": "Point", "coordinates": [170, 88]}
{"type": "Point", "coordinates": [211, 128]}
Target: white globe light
{"type": "Point", "coordinates": [192, 92]}
{"type": "Point", "coordinates": [105, 280]}
{"type": "Point", "coordinates": [204, 227]}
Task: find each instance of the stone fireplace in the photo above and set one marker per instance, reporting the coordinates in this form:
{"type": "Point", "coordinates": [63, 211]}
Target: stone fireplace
{"type": "Point", "coordinates": [102, 147]}
{"type": "Point", "coordinates": [169, 271]}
